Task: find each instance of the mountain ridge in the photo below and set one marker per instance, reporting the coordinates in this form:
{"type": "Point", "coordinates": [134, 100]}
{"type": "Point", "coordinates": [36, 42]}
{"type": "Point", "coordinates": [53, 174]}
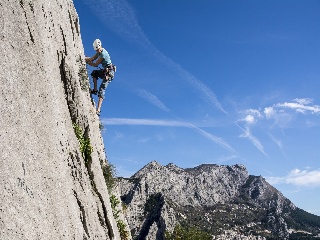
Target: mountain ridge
{"type": "Point", "coordinates": [225, 201]}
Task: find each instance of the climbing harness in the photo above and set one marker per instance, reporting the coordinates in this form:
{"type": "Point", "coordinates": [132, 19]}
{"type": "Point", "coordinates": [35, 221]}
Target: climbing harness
{"type": "Point", "coordinates": [109, 72]}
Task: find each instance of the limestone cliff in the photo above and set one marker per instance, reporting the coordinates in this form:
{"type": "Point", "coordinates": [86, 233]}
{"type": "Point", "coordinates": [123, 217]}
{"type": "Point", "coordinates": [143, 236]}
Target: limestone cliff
{"type": "Point", "coordinates": [50, 189]}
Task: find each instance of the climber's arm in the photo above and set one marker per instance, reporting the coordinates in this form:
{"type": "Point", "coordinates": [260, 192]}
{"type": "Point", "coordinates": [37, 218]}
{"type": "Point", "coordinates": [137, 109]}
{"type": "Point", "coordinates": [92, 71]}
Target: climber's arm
{"type": "Point", "coordinates": [95, 64]}
{"type": "Point", "coordinates": [90, 59]}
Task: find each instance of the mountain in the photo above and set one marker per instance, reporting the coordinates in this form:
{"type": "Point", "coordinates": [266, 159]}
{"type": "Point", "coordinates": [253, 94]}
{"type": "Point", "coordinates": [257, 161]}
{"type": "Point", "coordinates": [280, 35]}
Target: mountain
{"type": "Point", "coordinates": [53, 160]}
{"type": "Point", "coordinates": [222, 201]}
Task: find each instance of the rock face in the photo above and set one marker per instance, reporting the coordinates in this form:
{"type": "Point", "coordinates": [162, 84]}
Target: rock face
{"type": "Point", "coordinates": [224, 201]}
{"type": "Point", "coordinates": [50, 189]}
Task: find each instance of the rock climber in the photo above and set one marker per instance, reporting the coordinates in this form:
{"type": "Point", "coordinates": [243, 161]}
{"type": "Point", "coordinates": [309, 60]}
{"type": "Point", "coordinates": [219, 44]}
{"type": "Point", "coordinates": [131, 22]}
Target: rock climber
{"type": "Point", "coordinates": [106, 73]}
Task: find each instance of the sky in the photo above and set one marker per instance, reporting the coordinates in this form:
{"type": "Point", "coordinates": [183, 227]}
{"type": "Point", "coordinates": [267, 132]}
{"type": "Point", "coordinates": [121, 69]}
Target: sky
{"type": "Point", "coordinates": [213, 82]}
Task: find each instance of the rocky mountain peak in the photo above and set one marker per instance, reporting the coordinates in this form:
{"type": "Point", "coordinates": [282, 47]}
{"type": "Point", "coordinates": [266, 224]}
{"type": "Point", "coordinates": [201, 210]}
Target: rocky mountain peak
{"type": "Point", "coordinates": [151, 168]}
{"type": "Point", "coordinates": [174, 168]}
{"type": "Point", "coordinates": [220, 199]}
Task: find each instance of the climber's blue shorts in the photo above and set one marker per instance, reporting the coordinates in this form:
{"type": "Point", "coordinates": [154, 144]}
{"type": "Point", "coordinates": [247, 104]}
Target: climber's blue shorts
{"type": "Point", "coordinates": [102, 88]}
{"type": "Point", "coordinates": [105, 81]}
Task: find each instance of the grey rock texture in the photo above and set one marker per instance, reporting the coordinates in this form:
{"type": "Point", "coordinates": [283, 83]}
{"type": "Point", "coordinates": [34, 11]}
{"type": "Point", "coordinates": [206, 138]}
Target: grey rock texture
{"type": "Point", "coordinates": [224, 201]}
{"type": "Point", "coordinates": [47, 190]}
{"type": "Point", "coordinates": [204, 185]}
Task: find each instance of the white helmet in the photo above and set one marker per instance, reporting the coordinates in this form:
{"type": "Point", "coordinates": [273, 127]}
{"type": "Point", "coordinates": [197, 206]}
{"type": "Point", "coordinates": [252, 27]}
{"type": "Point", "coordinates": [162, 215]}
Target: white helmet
{"type": "Point", "coordinates": [96, 44]}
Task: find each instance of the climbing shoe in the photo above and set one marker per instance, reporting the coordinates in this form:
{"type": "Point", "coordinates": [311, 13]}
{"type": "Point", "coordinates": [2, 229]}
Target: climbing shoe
{"type": "Point", "coordinates": [93, 92]}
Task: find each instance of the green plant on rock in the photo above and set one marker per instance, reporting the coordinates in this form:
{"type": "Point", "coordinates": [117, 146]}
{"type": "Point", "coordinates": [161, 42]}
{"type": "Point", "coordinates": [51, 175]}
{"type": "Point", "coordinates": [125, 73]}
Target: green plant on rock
{"type": "Point", "coordinates": [124, 207]}
{"type": "Point", "coordinates": [85, 145]}
{"type": "Point", "coordinates": [101, 127]}
{"type": "Point", "coordinates": [109, 173]}
{"type": "Point", "coordinates": [124, 234]}
{"type": "Point", "coordinates": [181, 233]}
{"type": "Point", "coordinates": [114, 203]}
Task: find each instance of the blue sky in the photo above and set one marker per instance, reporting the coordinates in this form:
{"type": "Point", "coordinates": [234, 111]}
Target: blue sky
{"type": "Point", "coordinates": [213, 81]}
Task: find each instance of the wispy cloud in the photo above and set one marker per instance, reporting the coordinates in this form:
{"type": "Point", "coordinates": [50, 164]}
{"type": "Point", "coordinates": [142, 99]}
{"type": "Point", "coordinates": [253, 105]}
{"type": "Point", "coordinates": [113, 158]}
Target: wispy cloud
{"type": "Point", "coordinates": [226, 158]}
{"type": "Point", "coordinates": [214, 139]}
{"type": "Point", "coordinates": [298, 177]}
{"type": "Point", "coordinates": [251, 116]}
{"type": "Point", "coordinates": [152, 99]}
{"type": "Point", "coordinates": [303, 106]}
{"type": "Point", "coordinates": [119, 17]}
{"type": "Point", "coordinates": [167, 123]}
{"type": "Point", "coordinates": [280, 111]}
{"type": "Point", "coordinates": [249, 119]}
{"type": "Point", "coordinates": [300, 105]}
{"type": "Point", "coordinates": [279, 114]}
{"type": "Point", "coordinates": [206, 93]}
{"type": "Point", "coordinates": [278, 142]}
{"type": "Point", "coordinates": [144, 122]}
{"type": "Point", "coordinates": [254, 140]}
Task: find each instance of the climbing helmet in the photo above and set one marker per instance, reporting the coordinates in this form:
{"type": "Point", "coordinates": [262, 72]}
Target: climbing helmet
{"type": "Point", "coordinates": [96, 44]}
